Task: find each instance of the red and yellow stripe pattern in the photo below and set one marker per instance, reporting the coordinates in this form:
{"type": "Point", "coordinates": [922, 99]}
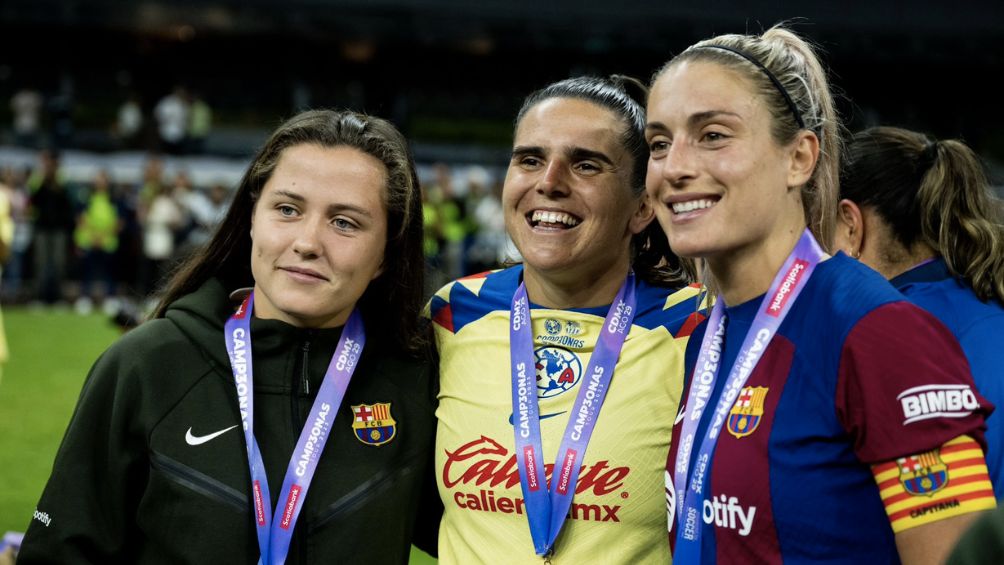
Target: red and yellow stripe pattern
{"type": "Point", "coordinates": [935, 485]}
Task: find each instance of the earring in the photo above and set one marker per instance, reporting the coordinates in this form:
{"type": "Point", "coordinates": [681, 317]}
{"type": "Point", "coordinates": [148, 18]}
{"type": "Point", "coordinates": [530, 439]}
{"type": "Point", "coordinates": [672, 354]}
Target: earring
{"type": "Point", "coordinates": [856, 254]}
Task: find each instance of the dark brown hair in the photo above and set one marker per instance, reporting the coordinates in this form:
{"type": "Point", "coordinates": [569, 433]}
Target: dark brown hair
{"type": "Point", "coordinates": [392, 303]}
{"type": "Point", "coordinates": [931, 191]}
{"type": "Point", "coordinates": [653, 261]}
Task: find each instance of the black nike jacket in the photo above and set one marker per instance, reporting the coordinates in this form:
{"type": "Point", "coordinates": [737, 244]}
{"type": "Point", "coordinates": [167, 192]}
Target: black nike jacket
{"type": "Point", "coordinates": [153, 467]}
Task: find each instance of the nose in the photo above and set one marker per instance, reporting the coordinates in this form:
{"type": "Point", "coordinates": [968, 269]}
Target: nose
{"type": "Point", "coordinates": [678, 165]}
{"type": "Point", "coordinates": [554, 182]}
{"type": "Point", "coordinates": [308, 237]}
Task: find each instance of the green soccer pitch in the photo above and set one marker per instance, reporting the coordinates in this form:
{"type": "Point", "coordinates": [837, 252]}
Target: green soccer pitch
{"type": "Point", "coordinates": [51, 352]}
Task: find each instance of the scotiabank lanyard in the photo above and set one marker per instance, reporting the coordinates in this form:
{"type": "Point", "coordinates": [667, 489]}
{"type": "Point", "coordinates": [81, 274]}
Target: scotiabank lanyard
{"type": "Point", "coordinates": [546, 510]}
{"type": "Point", "coordinates": [274, 537]}
{"type": "Point", "coordinates": [787, 285]}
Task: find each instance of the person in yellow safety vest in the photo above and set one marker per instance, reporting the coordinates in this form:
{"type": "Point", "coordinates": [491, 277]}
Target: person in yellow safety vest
{"type": "Point", "coordinates": [432, 223]}
{"type": "Point", "coordinates": [200, 121]}
{"type": "Point", "coordinates": [453, 221]}
{"type": "Point", "coordinates": [96, 236]}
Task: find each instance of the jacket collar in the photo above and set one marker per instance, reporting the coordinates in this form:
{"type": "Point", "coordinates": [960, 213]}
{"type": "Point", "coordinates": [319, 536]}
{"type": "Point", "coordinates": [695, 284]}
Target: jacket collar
{"type": "Point", "coordinates": [932, 270]}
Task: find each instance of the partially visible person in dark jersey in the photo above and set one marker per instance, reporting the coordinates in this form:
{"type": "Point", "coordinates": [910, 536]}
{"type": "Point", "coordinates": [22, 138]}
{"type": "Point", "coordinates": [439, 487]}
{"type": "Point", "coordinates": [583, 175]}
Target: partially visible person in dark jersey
{"type": "Point", "coordinates": [807, 432]}
{"type": "Point", "coordinates": [921, 212]}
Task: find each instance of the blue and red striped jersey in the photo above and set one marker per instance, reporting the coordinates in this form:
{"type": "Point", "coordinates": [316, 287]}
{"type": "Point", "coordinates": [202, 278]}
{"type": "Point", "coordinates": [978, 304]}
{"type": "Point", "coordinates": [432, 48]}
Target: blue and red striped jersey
{"type": "Point", "coordinates": [854, 377]}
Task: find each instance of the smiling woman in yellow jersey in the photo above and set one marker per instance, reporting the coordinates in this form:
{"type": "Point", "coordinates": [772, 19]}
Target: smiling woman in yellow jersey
{"type": "Point", "coordinates": [525, 349]}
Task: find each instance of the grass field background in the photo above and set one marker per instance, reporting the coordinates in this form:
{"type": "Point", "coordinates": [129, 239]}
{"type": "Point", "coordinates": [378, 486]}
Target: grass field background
{"type": "Point", "coordinates": [51, 352]}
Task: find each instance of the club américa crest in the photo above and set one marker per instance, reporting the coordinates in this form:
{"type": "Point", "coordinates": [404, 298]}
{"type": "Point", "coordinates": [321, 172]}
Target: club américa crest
{"type": "Point", "coordinates": [373, 423]}
{"type": "Point", "coordinates": [923, 474]}
{"type": "Point", "coordinates": [747, 411]}
{"type": "Point", "coordinates": [558, 369]}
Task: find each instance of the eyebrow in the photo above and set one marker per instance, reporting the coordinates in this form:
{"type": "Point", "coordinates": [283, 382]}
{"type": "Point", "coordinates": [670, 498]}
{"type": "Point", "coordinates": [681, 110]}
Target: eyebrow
{"type": "Point", "coordinates": [288, 194]}
{"type": "Point", "coordinates": [332, 209]}
{"type": "Point", "coordinates": [693, 119]}
{"type": "Point", "coordinates": [579, 153]}
{"type": "Point", "coordinates": [574, 153]}
{"type": "Point", "coordinates": [524, 150]}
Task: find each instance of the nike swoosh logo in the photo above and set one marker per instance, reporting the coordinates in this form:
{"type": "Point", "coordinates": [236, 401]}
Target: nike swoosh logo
{"type": "Point", "coordinates": [192, 439]}
{"type": "Point", "coordinates": [542, 416]}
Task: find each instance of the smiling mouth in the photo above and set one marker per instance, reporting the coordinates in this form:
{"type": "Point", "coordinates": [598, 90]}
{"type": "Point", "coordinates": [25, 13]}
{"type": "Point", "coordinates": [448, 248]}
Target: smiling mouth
{"type": "Point", "coordinates": [692, 205]}
{"type": "Point", "coordinates": [550, 219]}
{"type": "Point", "coordinates": [304, 272]}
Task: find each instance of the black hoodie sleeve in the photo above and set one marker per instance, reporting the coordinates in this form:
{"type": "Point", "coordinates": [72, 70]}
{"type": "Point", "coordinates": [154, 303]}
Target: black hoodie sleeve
{"type": "Point", "coordinates": [426, 532]}
{"type": "Point", "coordinates": [87, 509]}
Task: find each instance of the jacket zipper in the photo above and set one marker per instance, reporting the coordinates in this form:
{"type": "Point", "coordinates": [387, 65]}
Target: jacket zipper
{"type": "Point", "coordinates": [379, 482]}
{"type": "Point", "coordinates": [305, 368]}
{"type": "Point", "coordinates": [198, 482]}
{"type": "Point", "coordinates": [302, 387]}
{"type": "Point", "coordinates": [356, 496]}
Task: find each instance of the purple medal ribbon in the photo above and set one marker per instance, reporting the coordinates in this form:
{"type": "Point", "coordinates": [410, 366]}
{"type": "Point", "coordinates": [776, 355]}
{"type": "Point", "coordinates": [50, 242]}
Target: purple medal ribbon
{"type": "Point", "coordinates": [274, 537]}
{"type": "Point", "coordinates": [785, 288]}
{"type": "Point", "coordinates": [547, 508]}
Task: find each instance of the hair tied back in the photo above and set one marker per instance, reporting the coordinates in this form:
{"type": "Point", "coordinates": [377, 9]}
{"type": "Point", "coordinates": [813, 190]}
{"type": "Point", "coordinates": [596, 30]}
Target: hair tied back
{"type": "Point", "coordinates": [633, 87]}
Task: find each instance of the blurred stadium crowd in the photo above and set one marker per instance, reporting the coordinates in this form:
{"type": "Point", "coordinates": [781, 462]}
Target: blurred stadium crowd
{"type": "Point", "coordinates": [105, 229]}
{"type": "Point", "coordinates": [120, 145]}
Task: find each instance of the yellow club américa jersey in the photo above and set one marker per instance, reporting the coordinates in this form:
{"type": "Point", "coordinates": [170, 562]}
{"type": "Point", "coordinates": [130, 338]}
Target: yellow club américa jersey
{"type": "Point", "coordinates": [618, 511]}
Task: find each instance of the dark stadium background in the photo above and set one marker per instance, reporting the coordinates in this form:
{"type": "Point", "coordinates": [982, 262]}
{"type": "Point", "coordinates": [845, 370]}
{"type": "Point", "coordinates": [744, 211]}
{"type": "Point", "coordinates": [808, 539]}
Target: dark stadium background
{"type": "Point", "coordinates": [451, 73]}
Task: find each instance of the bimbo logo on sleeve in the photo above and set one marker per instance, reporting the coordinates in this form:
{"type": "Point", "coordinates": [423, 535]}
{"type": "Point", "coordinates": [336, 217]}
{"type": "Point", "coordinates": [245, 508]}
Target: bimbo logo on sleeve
{"type": "Point", "coordinates": [937, 401]}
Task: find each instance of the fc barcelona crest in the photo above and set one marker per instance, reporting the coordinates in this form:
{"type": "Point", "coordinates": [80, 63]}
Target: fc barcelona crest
{"type": "Point", "coordinates": [923, 474]}
{"type": "Point", "coordinates": [747, 411]}
{"type": "Point", "coordinates": [373, 423]}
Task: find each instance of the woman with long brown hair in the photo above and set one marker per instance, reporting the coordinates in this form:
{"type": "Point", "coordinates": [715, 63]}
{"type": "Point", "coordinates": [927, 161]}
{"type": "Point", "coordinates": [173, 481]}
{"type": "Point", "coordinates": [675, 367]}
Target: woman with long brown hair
{"type": "Point", "coordinates": [921, 212]}
{"type": "Point", "coordinates": [278, 409]}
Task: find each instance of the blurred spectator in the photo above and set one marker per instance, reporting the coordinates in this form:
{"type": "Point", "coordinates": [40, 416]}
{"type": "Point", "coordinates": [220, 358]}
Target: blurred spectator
{"type": "Point", "coordinates": [200, 121]}
{"type": "Point", "coordinates": [52, 211]}
{"type": "Point", "coordinates": [452, 215]}
{"type": "Point", "coordinates": [219, 199]}
{"type": "Point", "coordinates": [171, 114]}
{"type": "Point", "coordinates": [432, 226]}
{"type": "Point", "coordinates": [6, 240]}
{"type": "Point", "coordinates": [60, 108]}
{"type": "Point", "coordinates": [138, 203]}
{"type": "Point", "coordinates": [13, 271]}
{"type": "Point", "coordinates": [205, 211]}
{"type": "Point", "coordinates": [150, 185]}
{"type": "Point", "coordinates": [187, 198]}
{"type": "Point", "coordinates": [26, 107]}
{"type": "Point", "coordinates": [486, 251]}
{"type": "Point", "coordinates": [129, 255]}
{"type": "Point", "coordinates": [128, 127]}
{"type": "Point", "coordinates": [97, 238]}
{"type": "Point", "coordinates": [161, 220]}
